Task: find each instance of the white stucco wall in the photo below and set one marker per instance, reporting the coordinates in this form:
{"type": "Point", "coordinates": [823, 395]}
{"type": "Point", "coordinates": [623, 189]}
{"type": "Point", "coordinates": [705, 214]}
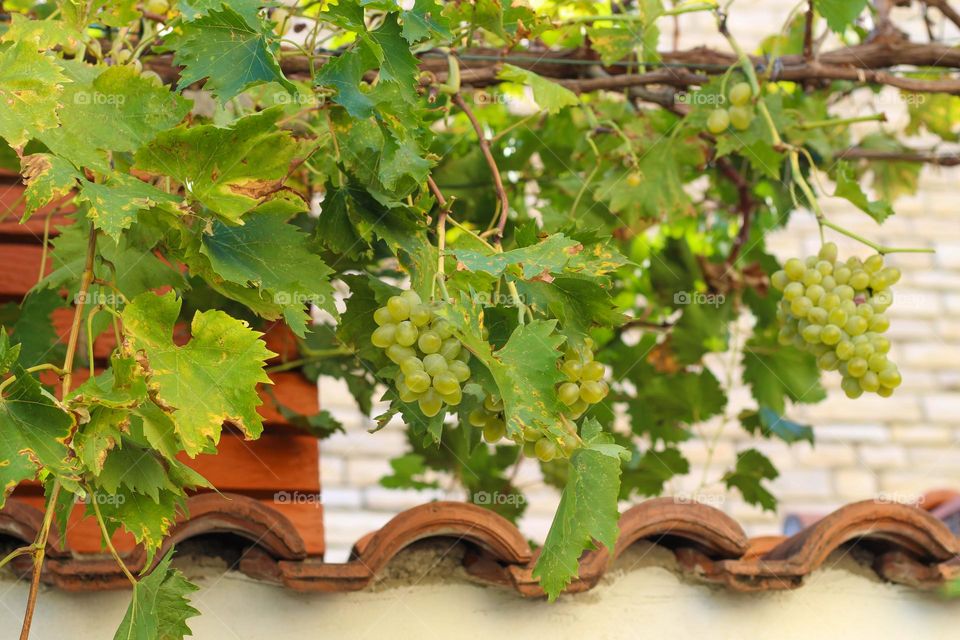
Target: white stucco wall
{"type": "Point", "coordinates": [648, 600]}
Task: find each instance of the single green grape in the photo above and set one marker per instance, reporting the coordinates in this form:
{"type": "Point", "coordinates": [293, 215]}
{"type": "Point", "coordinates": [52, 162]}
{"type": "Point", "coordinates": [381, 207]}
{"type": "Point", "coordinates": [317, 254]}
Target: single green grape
{"type": "Point", "coordinates": [844, 349]}
{"type": "Point", "coordinates": [593, 370]}
{"type": "Point", "coordinates": [877, 362]}
{"type": "Point", "coordinates": [800, 306]}
{"type": "Point", "coordinates": [741, 94]}
{"type": "Point", "coordinates": [812, 277]}
{"type": "Point", "coordinates": [793, 291]}
{"type": "Point", "coordinates": [855, 325]}
{"type": "Point", "coordinates": [569, 393]}
{"type": "Point", "coordinates": [874, 263]}
{"type": "Point", "coordinates": [718, 121]}
{"type": "Point", "coordinates": [530, 449]}
{"type": "Point", "coordinates": [577, 409]}
{"type": "Point", "coordinates": [406, 333]}
{"type": "Point", "coordinates": [453, 398]}
{"type": "Point", "coordinates": [831, 334]}
{"type": "Point", "coordinates": [825, 268]}
{"type": "Point", "coordinates": [779, 280]}
{"type": "Point", "coordinates": [398, 354]}
{"type": "Point", "coordinates": [399, 308]}
{"type": "Point", "coordinates": [494, 430]}
{"type": "Point", "coordinates": [443, 328]}
{"type": "Point", "coordinates": [546, 449]}
{"type": "Point", "coordinates": [478, 418]}
{"type": "Point", "coordinates": [572, 369]}
{"type": "Point", "coordinates": [857, 366]}
{"type": "Point", "coordinates": [741, 117]}
{"type": "Point", "coordinates": [429, 342]}
{"type": "Point", "coordinates": [815, 292]}
{"type": "Point", "coordinates": [845, 292]}
{"type": "Point", "coordinates": [421, 315]}
{"type": "Point", "coordinates": [828, 252]}
{"type": "Point", "coordinates": [445, 382]}
{"type": "Point", "coordinates": [794, 269]}
{"type": "Point", "coordinates": [592, 391]}
{"type": "Point", "coordinates": [384, 336]}
{"type": "Point", "coordinates": [818, 315]}
{"type": "Point", "coordinates": [828, 361]}
{"type": "Point", "coordinates": [450, 348]}
{"type": "Point", "coordinates": [811, 333]}
{"type": "Point", "coordinates": [842, 275]}
{"type": "Point", "coordinates": [412, 297]}
{"type": "Point", "coordinates": [865, 311]}
{"type": "Point", "coordinates": [851, 387]}
{"type": "Point", "coordinates": [411, 365]}
{"type": "Point", "coordinates": [493, 403]}
{"type": "Point", "coordinates": [885, 392]}
{"type": "Point", "coordinates": [434, 364]}
{"type": "Point", "coordinates": [418, 381]}
{"type": "Point", "coordinates": [860, 280]}
{"type": "Point", "coordinates": [837, 317]}
{"type": "Point", "coordinates": [870, 382]}
{"type": "Point", "coordinates": [829, 283]}
{"type": "Point", "coordinates": [430, 403]}
{"type": "Point", "coordinates": [382, 316]}
{"type": "Point", "coordinates": [881, 345]}
{"type": "Point", "coordinates": [406, 393]}
{"type": "Point", "coordinates": [830, 301]}
{"type": "Point", "coordinates": [460, 370]}
{"type": "Point", "coordinates": [890, 377]}
{"type": "Point", "coordinates": [879, 323]}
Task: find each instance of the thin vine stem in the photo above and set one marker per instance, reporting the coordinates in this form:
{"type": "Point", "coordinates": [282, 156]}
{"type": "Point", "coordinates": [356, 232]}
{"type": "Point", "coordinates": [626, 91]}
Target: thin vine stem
{"type": "Point", "coordinates": [107, 541]}
{"type": "Point", "coordinates": [41, 542]}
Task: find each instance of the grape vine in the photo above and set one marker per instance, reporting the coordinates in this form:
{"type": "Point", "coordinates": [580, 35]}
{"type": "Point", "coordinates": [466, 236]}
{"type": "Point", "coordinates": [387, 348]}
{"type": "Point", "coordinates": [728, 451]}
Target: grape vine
{"type": "Point", "coordinates": [526, 230]}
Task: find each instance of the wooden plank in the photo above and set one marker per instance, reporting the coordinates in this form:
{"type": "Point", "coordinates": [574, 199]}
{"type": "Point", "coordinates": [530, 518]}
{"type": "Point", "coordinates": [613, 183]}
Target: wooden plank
{"type": "Point", "coordinates": [21, 269]}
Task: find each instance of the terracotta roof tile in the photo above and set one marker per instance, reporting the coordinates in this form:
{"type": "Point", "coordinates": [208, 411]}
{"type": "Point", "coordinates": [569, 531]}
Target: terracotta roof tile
{"type": "Point", "coordinates": [902, 543]}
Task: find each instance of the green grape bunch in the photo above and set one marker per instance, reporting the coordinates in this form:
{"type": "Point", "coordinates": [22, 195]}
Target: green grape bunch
{"type": "Point", "coordinates": [433, 363]}
{"type": "Point", "coordinates": [535, 444]}
{"type": "Point", "coordinates": [740, 114]}
{"type": "Point", "coordinates": [835, 310]}
{"type": "Point", "coordinates": [584, 384]}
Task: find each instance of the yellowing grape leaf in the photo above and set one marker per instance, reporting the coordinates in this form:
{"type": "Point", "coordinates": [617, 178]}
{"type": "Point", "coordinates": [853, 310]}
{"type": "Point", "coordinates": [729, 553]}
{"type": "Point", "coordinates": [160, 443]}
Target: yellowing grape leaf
{"type": "Point", "coordinates": [33, 433]}
{"type": "Point", "coordinates": [208, 381]}
{"type": "Point", "coordinates": [113, 206]}
{"type": "Point", "coordinates": [31, 84]}
{"type": "Point", "coordinates": [111, 109]}
{"type": "Point", "coordinates": [548, 94]}
{"type": "Point", "coordinates": [47, 178]}
{"type": "Point", "coordinates": [230, 170]}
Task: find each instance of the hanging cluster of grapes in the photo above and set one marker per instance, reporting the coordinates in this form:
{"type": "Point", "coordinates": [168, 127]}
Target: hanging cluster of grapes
{"type": "Point", "coordinates": [433, 364]}
{"type": "Point", "coordinates": [740, 114]}
{"type": "Point", "coordinates": [835, 311]}
{"type": "Point", "coordinates": [489, 417]}
{"type": "Point", "coordinates": [584, 385]}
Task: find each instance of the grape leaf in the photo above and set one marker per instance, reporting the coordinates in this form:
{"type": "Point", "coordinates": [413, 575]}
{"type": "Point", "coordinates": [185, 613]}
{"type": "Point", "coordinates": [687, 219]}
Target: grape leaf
{"type": "Point", "coordinates": [406, 470]}
{"type": "Point", "coordinates": [209, 380]}
{"type": "Point", "coordinates": [159, 606]}
{"type": "Point", "coordinates": [767, 422]}
{"type": "Point", "coordinates": [848, 188]}
{"type": "Point", "coordinates": [751, 469]}
{"type": "Point", "coordinates": [422, 21]}
{"type": "Point", "coordinates": [577, 304]}
{"type": "Point", "coordinates": [193, 9]}
{"type": "Point", "coordinates": [30, 88]}
{"type": "Point", "coordinates": [229, 52]}
{"type": "Point", "coordinates": [548, 94]}
{"type": "Point", "coordinates": [135, 468]}
{"type": "Point", "coordinates": [113, 205]}
{"type": "Point", "coordinates": [47, 178]}
{"type": "Point", "coordinates": [840, 14]}
{"type": "Point", "coordinates": [45, 34]}
{"type": "Point", "coordinates": [551, 255]}
{"type": "Point", "coordinates": [775, 372]}
{"type": "Point", "coordinates": [611, 43]}
{"type": "Point", "coordinates": [34, 330]}
{"type": "Point", "coordinates": [114, 109]}
{"type": "Point", "coordinates": [344, 73]}
{"type": "Point", "coordinates": [271, 254]}
{"type": "Point", "coordinates": [524, 370]}
{"type": "Point", "coordinates": [587, 512]}
{"type": "Point", "coordinates": [9, 353]}
{"type": "Point", "coordinates": [648, 474]}
{"type": "Point", "coordinates": [33, 433]}
{"type": "Point", "coordinates": [230, 170]}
